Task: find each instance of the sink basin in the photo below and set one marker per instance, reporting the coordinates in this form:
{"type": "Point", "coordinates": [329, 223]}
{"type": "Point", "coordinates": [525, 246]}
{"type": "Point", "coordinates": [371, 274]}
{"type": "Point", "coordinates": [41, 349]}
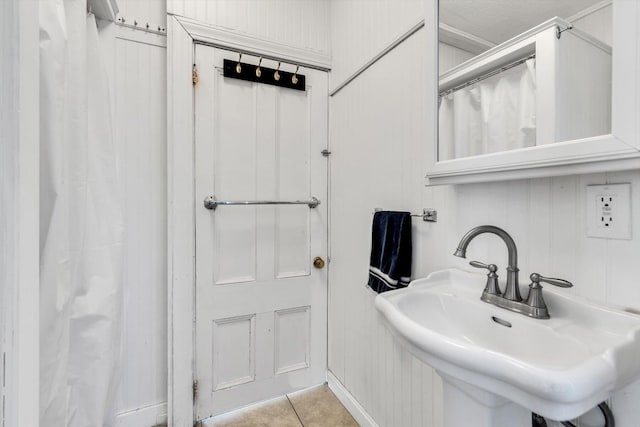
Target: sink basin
{"type": "Point", "coordinates": [559, 367]}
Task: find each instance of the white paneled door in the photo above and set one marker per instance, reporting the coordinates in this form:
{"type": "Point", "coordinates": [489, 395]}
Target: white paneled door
{"type": "Point", "coordinates": [261, 311]}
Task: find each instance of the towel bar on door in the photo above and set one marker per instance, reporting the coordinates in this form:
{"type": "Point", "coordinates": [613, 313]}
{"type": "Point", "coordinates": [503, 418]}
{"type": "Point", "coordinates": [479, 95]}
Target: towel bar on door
{"type": "Point", "coordinates": [210, 202]}
{"type": "Point", "coordinates": [428, 215]}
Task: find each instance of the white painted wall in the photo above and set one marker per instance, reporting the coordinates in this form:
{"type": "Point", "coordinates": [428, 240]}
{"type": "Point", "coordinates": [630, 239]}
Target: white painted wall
{"type": "Point", "coordinates": [153, 12]}
{"type": "Point", "coordinates": [361, 29]}
{"type": "Point", "coordinates": [8, 196]}
{"type": "Point", "coordinates": [138, 83]}
{"type": "Point", "coordinates": [19, 217]}
{"type": "Point", "coordinates": [597, 23]}
{"type": "Point", "coordinates": [379, 125]}
{"type": "Point", "coordinates": [140, 116]}
{"type": "Point", "coordinates": [296, 23]}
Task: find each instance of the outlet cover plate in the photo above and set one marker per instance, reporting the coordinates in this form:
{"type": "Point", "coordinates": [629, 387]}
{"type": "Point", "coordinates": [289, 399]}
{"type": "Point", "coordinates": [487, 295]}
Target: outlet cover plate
{"type": "Point", "coordinates": [608, 209]}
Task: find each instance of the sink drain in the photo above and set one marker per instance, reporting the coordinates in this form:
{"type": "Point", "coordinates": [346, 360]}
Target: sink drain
{"type": "Point", "coordinates": [499, 321]}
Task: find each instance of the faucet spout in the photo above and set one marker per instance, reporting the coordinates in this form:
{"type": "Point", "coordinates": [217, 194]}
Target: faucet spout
{"type": "Point", "coordinates": [461, 253]}
{"type": "Point", "coordinates": [512, 291]}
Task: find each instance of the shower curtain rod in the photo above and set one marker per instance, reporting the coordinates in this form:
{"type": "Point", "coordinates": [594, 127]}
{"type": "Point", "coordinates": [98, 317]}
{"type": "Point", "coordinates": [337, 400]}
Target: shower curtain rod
{"type": "Point", "coordinates": [487, 75]}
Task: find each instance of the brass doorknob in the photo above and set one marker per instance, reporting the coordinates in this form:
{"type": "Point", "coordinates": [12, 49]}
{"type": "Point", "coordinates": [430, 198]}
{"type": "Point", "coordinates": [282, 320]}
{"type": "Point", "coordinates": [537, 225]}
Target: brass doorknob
{"type": "Point", "coordinates": [318, 262]}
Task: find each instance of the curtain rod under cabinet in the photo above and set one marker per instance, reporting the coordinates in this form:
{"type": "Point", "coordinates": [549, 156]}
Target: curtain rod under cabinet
{"type": "Point", "coordinates": [487, 75]}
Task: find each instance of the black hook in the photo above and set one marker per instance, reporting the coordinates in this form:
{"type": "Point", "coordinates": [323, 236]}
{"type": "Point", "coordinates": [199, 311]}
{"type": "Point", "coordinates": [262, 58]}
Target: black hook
{"type": "Point", "coordinates": [276, 75]}
{"type": "Point", "coordinates": [239, 66]}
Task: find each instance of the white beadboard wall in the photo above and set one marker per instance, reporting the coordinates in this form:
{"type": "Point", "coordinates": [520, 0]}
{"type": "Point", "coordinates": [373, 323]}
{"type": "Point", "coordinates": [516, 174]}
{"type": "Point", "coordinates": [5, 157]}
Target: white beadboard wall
{"type": "Point", "coordinates": [378, 123]}
{"type": "Point", "coordinates": [153, 12]}
{"type": "Point", "coordinates": [380, 127]}
{"type": "Point", "coordinates": [597, 23]}
{"type": "Point", "coordinates": [361, 29]}
{"type": "Point", "coordinates": [9, 219]}
{"type": "Point", "coordinates": [140, 101]}
{"type": "Point", "coordinates": [138, 80]}
{"type": "Point", "coordinates": [297, 23]}
{"type": "Point", "coordinates": [19, 212]}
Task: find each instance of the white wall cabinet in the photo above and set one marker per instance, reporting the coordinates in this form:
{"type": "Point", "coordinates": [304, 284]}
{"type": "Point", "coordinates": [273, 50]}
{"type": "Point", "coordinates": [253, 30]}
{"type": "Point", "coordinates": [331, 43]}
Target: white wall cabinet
{"type": "Point", "coordinates": [614, 151]}
{"type": "Point", "coordinates": [569, 93]}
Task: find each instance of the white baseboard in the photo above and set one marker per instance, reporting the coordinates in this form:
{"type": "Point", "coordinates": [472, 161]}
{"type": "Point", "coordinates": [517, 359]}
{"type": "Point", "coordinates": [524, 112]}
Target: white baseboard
{"type": "Point", "coordinates": [146, 416]}
{"type": "Point", "coordinates": [348, 401]}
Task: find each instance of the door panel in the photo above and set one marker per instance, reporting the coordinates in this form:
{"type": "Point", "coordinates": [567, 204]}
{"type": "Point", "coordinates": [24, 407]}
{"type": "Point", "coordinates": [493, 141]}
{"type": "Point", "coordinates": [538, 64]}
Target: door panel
{"type": "Point", "coordinates": [293, 179]}
{"type": "Point", "coordinates": [234, 161]}
{"type": "Point", "coordinates": [260, 306]}
{"type": "Point", "coordinates": [234, 351]}
{"type": "Point", "coordinates": [292, 339]}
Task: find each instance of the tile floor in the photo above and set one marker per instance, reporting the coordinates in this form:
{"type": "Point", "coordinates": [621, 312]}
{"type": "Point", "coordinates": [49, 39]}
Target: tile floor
{"type": "Point", "coordinates": [315, 407]}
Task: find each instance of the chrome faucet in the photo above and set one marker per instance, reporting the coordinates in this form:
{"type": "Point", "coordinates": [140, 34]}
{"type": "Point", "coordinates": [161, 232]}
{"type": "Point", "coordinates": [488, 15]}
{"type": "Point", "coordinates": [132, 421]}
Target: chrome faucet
{"type": "Point", "coordinates": [512, 292]}
{"type": "Point", "coordinates": [534, 306]}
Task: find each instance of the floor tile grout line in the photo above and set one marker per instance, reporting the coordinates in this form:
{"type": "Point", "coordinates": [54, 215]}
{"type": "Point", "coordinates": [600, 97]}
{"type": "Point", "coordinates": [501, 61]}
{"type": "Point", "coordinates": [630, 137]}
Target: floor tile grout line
{"type": "Point", "coordinates": [294, 410]}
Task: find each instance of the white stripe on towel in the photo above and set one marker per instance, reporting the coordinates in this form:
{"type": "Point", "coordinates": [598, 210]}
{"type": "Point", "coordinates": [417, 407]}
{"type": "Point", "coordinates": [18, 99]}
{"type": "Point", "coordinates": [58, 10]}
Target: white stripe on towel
{"type": "Point", "coordinates": [385, 277]}
{"type": "Point", "coordinates": [384, 282]}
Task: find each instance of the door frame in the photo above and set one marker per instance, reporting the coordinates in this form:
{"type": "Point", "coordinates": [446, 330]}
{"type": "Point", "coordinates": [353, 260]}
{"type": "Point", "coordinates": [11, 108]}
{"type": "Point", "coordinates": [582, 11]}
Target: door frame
{"type": "Point", "coordinates": [182, 35]}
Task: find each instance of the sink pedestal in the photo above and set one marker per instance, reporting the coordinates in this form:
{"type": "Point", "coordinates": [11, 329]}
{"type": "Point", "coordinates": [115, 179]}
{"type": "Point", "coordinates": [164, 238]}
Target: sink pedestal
{"type": "Point", "coordinates": [467, 405]}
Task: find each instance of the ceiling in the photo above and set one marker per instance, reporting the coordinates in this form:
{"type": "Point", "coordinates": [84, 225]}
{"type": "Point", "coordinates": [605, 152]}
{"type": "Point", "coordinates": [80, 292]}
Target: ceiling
{"type": "Point", "coordinates": [500, 20]}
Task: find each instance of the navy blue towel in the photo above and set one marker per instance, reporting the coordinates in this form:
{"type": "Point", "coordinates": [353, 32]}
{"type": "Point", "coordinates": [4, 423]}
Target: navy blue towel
{"type": "Point", "coordinates": [391, 249]}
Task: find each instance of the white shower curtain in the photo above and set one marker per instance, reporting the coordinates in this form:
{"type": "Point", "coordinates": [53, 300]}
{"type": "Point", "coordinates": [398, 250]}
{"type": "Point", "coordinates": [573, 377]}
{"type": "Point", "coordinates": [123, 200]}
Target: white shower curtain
{"type": "Point", "coordinates": [80, 224]}
{"type": "Point", "coordinates": [495, 114]}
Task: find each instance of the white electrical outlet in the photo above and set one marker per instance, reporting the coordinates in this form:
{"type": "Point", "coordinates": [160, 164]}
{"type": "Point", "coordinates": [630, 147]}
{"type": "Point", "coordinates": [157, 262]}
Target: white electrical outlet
{"type": "Point", "coordinates": [609, 211]}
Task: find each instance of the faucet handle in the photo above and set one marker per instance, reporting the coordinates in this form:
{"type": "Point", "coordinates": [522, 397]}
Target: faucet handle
{"type": "Point", "coordinates": [491, 288]}
{"type": "Point", "coordinates": [535, 301]}
{"type": "Point", "coordinates": [536, 279]}
{"type": "Point", "coordinates": [491, 267]}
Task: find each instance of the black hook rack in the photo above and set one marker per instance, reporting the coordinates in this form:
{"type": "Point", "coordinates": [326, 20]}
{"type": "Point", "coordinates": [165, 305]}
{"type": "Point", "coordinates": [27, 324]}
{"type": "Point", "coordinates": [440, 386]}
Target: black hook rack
{"type": "Point", "coordinates": [266, 75]}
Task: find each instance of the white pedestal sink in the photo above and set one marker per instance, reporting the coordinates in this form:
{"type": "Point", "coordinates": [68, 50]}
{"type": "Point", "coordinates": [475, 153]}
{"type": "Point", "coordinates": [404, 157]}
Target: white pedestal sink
{"type": "Point", "coordinates": [499, 366]}
{"type": "Point", "coordinates": [467, 405]}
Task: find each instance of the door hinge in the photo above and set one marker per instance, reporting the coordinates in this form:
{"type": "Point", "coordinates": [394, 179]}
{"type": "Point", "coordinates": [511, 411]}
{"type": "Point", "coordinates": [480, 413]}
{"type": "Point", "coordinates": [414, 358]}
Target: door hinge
{"type": "Point", "coordinates": [195, 389]}
{"type": "Point", "coordinates": [194, 75]}
{"type": "Point", "coordinates": [325, 152]}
